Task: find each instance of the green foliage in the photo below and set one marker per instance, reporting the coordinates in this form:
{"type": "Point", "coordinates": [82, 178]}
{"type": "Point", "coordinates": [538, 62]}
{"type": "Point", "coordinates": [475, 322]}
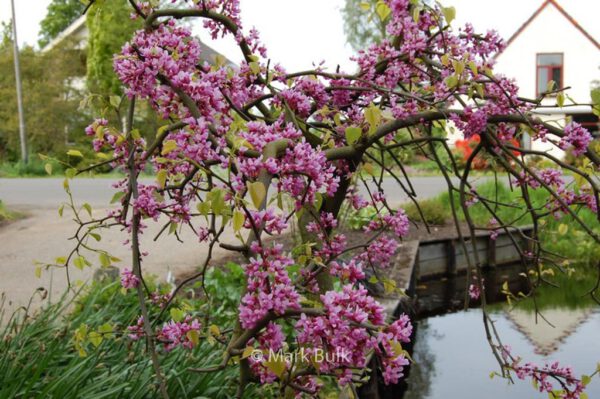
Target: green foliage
{"type": "Point", "coordinates": [434, 212]}
{"type": "Point", "coordinates": [61, 13]}
{"type": "Point", "coordinates": [223, 289]}
{"type": "Point", "coordinates": [5, 214]}
{"type": "Point", "coordinates": [574, 244]}
{"type": "Point", "coordinates": [109, 28]}
{"type": "Point", "coordinates": [564, 236]}
{"type": "Point", "coordinates": [50, 101]}
{"type": "Point", "coordinates": [363, 23]}
{"type": "Point", "coordinates": [358, 219]}
{"type": "Point", "coordinates": [39, 358]}
{"type": "Point", "coordinates": [35, 167]}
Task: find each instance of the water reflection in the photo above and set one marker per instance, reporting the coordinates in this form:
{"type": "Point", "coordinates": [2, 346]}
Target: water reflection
{"type": "Point", "coordinates": [453, 359]}
{"type": "Point", "coordinates": [451, 353]}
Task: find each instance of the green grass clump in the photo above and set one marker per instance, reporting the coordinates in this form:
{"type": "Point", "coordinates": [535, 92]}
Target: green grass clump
{"type": "Point", "coordinates": [34, 168]}
{"type": "Point", "coordinates": [563, 236]}
{"type": "Point", "coordinates": [434, 211]}
{"type": "Point", "coordinates": [6, 214]}
{"type": "Point", "coordinates": [38, 358]}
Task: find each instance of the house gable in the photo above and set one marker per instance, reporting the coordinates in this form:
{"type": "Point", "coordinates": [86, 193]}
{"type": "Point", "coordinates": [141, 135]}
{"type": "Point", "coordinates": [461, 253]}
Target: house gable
{"type": "Point", "coordinates": [551, 30]}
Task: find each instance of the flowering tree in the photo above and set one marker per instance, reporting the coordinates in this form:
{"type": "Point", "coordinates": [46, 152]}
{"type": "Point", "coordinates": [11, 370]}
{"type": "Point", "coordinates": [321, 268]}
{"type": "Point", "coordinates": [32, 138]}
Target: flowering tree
{"type": "Point", "coordinates": [241, 142]}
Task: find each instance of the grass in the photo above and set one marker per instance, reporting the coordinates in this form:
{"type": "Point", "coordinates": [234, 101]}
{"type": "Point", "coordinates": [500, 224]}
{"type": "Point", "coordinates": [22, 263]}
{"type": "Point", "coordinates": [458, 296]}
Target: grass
{"type": "Point", "coordinates": [7, 215]}
{"type": "Point", "coordinates": [38, 358]}
{"type": "Point", "coordinates": [34, 168]}
{"type": "Point", "coordinates": [563, 236]}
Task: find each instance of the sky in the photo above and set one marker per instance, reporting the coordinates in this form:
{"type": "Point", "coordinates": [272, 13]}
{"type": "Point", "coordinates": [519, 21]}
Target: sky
{"type": "Point", "coordinates": [298, 33]}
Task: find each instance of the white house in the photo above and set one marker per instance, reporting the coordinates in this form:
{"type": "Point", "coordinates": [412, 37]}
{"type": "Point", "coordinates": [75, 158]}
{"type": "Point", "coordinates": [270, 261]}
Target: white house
{"type": "Point", "coordinates": [552, 45]}
{"type": "Point", "coordinates": [77, 33]}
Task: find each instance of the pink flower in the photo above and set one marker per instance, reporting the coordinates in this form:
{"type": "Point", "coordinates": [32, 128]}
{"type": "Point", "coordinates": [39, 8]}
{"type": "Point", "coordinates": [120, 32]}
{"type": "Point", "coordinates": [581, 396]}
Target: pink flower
{"type": "Point", "coordinates": [576, 137]}
{"type": "Point", "coordinates": [128, 279]}
{"type": "Point", "coordinates": [174, 333]}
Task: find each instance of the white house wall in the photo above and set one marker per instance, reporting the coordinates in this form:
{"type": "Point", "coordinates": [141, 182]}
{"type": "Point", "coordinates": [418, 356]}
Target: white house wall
{"type": "Point", "coordinates": [549, 32]}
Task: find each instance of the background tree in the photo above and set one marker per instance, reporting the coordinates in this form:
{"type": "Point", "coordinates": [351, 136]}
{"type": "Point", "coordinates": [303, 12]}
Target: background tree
{"type": "Point", "coordinates": [51, 100]}
{"type": "Point", "coordinates": [109, 27]}
{"type": "Point", "coordinates": [360, 24]}
{"type": "Point", "coordinates": [61, 13]}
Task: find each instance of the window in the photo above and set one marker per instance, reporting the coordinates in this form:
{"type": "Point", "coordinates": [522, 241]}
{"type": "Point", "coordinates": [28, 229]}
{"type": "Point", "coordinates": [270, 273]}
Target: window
{"type": "Point", "coordinates": [549, 67]}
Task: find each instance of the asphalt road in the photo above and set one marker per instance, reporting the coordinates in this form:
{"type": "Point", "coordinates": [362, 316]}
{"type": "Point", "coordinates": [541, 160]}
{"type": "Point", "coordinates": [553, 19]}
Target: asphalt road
{"type": "Point", "coordinates": [49, 192]}
{"type": "Point", "coordinates": [42, 235]}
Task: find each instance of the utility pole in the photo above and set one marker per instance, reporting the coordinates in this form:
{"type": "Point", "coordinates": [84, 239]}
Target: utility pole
{"type": "Point", "coordinates": [22, 135]}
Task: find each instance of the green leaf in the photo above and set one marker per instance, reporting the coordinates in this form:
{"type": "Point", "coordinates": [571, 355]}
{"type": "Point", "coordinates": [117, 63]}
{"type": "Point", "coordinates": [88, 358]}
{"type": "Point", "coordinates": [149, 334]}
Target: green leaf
{"type": "Point", "coordinates": [177, 314]}
{"type": "Point", "coordinates": [104, 259]}
{"type": "Point", "coordinates": [560, 99]}
{"type": "Point", "coordinates": [238, 220]}
{"type": "Point", "coordinates": [203, 207]}
{"type": "Point", "coordinates": [595, 95]}
{"type": "Point", "coordinates": [254, 67]}
{"type": "Point", "coordinates": [88, 208]}
{"type": "Point", "coordinates": [75, 153]}
{"type": "Point", "coordinates": [353, 134]}
{"type": "Point", "coordinates": [247, 352]}
{"type": "Point", "coordinates": [451, 81]}
{"type": "Point", "coordinates": [257, 192]}
{"type": "Point", "coordinates": [365, 6]}
{"type": "Point", "coordinates": [106, 329]}
{"type": "Point", "coordinates": [382, 10]}
{"type": "Point", "coordinates": [95, 338]}
{"type": "Point", "coordinates": [168, 146]}
{"type": "Point", "coordinates": [458, 66]}
{"type": "Point", "coordinates": [373, 117]}
{"type": "Point", "coordinates": [118, 195]}
{"type": "Point", "coordinates": [586, 379]}
{"type": "Point", "coordinates": [61, 210]}
{"type": "Point", "coordinates": [115, 101]}
{"type": "Point", "coordinates": [217, 200]}
{"type": "Point", "coordinates": [193, 336]}
{"type": "Point", "coordinates": [214, 330]}
{"type": "Point", "coordinates": [161, 178]}
{"type": "Point", "coordinates": [473, 68]}
{"type": "Point", "coordinates": [562, 229]}
{"type": "Point", "coordinates": [449, 14]}
{"type": "Point", "coordinates": [71, 173]}
{"type": "Point", "coordinates": [38, 271]}
{"type": "Point", "coordinates": [277, 366]}
{"type": "Point", "coordinates": [48, 168]}
{"type": "Point", "coordinates": [79, 262]}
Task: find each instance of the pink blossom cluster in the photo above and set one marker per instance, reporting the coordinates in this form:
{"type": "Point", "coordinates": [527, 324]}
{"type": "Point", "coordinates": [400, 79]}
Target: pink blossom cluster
{"type": "Point", "coordinates": [267, 220]}
{"type": "Point", "coordinates": [576, 137]}
{"type": "Point", "coordinates": [304, 172]}
{"type": "Point", "coordinates": [128, 279]}
{"type": "Point", "coordinates": [554, 379]}
{"type": "Point", "coordinates": [343, 330]}
{"type": "Point", "coordinates": [397, 222]}
{"type": "Point", "coordinates": [269, 287]}
{"type": "Point", "coordinates": [174, 334]}
{"type": "Point", "coordinates": [380, 252]}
